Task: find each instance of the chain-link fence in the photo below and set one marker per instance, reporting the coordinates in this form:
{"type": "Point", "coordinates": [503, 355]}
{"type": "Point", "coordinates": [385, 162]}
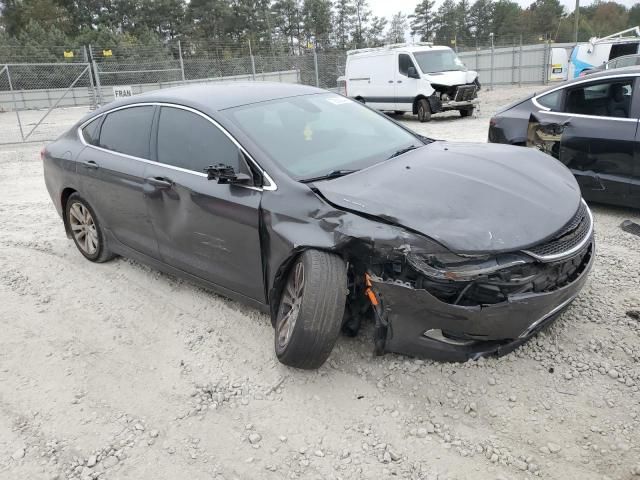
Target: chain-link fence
{"type": "Point", "coordinates": [37, 100]}
{"type": "Point", "coordinates": [35, 96]}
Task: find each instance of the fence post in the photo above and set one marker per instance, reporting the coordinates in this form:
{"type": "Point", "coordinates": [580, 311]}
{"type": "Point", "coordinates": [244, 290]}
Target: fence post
{"type": "Point", "coordinates": [97, 75]}
{"type": "Point", "coordinates": [181, 61]}
{"type": "Point", "coordinates": [545, 62]}
{"type": "Point", "coordinates": [315, 64]}
{"type": "Point", "coordinates": [15, 103]}
{"type": "Point", "coordinates": [492, 55]}
{"type": "Point", "coordinates": [520, 64]}
{"type": "Point", "coordinates": [92, 88]}
{"type": "Point", "coordinates": [253, 62]}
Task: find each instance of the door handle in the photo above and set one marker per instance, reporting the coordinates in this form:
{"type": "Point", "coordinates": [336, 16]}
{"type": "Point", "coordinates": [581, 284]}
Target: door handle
{"type": "Point", "coordinates": [390, 81]}
{"type": "Point", "coordinates": [90, 165]}
{"type": "Point", "coordinates": [159, 182]}
{"type": "Point", "coordinates": [399, 81]}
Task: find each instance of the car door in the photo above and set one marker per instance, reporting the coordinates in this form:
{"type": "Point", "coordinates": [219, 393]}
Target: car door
{"type": "Point", "coordinates": [596, 134]}
{"type": "Point", "coordinates": [111, 168]}
{"type": "Point", "coordinates": [205, 228]}
{"type": "Point", "coordinates": [406, 88]}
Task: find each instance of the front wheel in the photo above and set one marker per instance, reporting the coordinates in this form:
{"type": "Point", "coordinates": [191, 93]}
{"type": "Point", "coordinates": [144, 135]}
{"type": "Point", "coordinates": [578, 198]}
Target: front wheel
{"type": "Point", "coordinates": [311, 309]}
{"type": "Point", "coordinates": [466, 112]}
{"type": "Point", "coordinates": [424, 110]}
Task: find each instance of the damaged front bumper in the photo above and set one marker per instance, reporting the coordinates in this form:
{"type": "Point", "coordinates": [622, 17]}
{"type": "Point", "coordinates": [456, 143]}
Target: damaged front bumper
{"type": "Point", "coordinates": [419, 324]}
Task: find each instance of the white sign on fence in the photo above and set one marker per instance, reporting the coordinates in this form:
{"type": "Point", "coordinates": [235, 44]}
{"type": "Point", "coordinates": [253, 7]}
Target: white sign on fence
{"type": "Point", "coordinates": [122, 91]}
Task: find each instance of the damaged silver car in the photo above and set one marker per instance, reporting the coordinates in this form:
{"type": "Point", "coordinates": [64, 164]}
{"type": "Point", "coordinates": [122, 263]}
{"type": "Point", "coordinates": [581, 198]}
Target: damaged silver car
{"type": "Point", "coordinates": [327, 214]}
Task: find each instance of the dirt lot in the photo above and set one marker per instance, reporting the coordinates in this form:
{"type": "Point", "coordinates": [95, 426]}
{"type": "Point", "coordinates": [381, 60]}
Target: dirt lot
{"type": "Point", "coordinates": [117, 371]}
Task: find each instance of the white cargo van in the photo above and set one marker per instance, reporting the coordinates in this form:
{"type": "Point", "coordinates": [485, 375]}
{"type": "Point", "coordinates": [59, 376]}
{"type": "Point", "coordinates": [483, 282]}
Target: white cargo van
{"type": "Point", "coordinates": [418, 78]}
{"type": "Point", "coordinates": [598, 51]}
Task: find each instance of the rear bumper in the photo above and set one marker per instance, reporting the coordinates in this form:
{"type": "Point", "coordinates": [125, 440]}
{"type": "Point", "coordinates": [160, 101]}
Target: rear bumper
{"type": "Point", "coordinates": [471, 332]}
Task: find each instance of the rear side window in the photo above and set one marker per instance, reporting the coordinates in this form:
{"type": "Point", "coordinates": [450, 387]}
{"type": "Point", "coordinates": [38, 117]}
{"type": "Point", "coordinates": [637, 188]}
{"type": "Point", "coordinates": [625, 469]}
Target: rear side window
{"type": "Point", "coordinates": [189, 141]}
{"type": "Point", "coordinates": [91, 132]}
{"type": "Point", "coordinates": [551, 100]}
{"type": "Point", "coordinates": [621, 49]}
{"type": "Point", "coordinates": [404, 62]}
{"type": "Point", "coordinates": [604, 99]}
{"type": "Point", "coordinates": [128, 131]}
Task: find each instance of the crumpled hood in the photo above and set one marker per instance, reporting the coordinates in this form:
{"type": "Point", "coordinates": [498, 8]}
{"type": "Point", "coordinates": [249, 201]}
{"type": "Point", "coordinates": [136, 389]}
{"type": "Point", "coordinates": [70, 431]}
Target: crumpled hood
{"type": "Point", "coordinates": [451, 78]}
{"type": "Point", "coordinates": [470, 197]}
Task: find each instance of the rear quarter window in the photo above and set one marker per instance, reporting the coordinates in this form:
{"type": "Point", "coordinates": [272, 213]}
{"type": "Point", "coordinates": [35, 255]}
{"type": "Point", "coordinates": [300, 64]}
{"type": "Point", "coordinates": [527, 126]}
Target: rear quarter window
{"type": "Point", "coordinates": [551, 100]}
{"type": "Point", "coordinates": [91, 131]}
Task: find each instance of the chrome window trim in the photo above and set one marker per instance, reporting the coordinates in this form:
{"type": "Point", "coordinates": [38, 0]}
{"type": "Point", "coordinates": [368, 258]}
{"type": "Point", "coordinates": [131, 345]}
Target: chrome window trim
{"type": "Point", "coordinates": [271, 187]}
{"type": "Point", "coordinates": [534, 99]}
{"type": "Point", "coordinates": [571, 251]}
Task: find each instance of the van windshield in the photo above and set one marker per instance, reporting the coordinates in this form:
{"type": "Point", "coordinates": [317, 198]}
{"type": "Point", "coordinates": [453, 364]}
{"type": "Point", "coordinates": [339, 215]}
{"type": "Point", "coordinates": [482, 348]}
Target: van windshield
{"type": "Point", "coordinates": [438, 61]}
{"type": "Point", "coordinates": [313, 135]}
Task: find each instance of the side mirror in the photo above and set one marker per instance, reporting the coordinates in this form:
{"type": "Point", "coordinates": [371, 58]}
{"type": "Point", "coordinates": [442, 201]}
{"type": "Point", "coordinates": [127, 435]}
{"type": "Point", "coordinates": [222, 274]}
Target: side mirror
{"type": "Point", "coordinates": [225, 174]}
{"type": "Point", "coordinates": [412, 72]}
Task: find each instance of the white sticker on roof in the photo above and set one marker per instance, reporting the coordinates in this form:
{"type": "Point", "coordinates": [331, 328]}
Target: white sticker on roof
{"type": "Point", "coordinates": [338, 100]}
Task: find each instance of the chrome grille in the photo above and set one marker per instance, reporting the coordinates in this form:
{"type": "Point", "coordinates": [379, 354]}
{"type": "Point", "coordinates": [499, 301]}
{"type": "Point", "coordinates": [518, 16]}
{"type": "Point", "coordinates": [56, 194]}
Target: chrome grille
{"type": "Point", "coordinates": [570, 240]}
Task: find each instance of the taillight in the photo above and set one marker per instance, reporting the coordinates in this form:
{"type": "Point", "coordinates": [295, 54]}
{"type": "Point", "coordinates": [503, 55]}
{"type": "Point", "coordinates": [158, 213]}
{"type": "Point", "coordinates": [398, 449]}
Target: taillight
{"type": "Point", "coordinates": [43, 153]}
{"type": "Point", "coordinates": [493, 122]}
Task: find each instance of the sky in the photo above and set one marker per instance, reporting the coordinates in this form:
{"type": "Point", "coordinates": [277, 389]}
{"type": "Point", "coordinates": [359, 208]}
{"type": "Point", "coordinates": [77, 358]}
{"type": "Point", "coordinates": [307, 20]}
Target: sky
{"type": "Point", "coordinates": [387, 8]}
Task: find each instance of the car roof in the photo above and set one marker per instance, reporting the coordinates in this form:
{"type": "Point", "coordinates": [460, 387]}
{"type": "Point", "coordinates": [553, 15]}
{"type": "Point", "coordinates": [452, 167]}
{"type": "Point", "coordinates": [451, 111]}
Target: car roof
{"type": "Point", "coordinates": [632, 70]}
{"type": "Point", "coordinates": [218, 96]}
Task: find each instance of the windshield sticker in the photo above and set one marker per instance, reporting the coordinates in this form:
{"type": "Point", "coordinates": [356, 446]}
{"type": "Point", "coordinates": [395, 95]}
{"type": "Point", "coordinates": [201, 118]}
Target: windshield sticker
{"type": "Point", "coordinates": [308, 133]}
{"type": "Point", "coordinates": [338, 100]}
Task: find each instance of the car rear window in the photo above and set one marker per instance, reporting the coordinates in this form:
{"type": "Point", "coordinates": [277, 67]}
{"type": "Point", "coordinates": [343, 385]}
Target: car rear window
{"type": "Point", "coordinates": [128, 131]}
{"type": "Point", "coordinates": [91, 131]}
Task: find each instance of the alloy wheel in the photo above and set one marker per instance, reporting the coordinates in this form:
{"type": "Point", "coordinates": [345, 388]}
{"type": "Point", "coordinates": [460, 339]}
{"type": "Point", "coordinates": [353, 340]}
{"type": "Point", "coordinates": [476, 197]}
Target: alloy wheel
{"type": "Point", "coordinates": [290, 308]}
{"type": "Point", "coordinates": [83, 228]}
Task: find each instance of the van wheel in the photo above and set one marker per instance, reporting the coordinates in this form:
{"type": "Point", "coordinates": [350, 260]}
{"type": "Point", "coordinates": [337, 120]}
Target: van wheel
{"type": "Point", "coordinates": [424, 110]}
{"type": "Point", "coordinates": [466, 112]}
{"type": "Point", "coordinates": [311, 310]}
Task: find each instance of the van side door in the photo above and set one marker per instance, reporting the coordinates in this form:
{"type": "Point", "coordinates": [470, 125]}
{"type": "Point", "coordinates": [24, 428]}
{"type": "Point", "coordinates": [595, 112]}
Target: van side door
{"type": "Point", "coordinates": [406, 87]}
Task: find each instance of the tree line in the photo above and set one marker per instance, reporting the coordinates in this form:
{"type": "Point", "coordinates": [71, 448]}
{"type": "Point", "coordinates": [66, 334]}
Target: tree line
{"type": "Point", "coordinates": [32, 27]}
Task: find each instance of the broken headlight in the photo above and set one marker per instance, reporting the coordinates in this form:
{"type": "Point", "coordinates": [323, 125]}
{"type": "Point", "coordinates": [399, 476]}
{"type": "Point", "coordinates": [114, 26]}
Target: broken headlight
{"type": "Point", "coordinates": [450, 266]}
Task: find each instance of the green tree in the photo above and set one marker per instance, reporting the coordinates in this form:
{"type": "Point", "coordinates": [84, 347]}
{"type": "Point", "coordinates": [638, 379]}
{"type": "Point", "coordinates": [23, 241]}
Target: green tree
{"type": "Point", "coordinates": [446, 22]}
{"type": "Point", "coordinates": [481, 20]}
{"type": "Point", "coordinates": [634, 15]}
{"type": "Point", "coordinates": [423, 20]}
{"type": "Point", "coordinates": [316, 18]}
{"type": "Point", "coordinates": [362, 15]}
{"type": "Point", "coordinates": [463, 23]}
{"type": "Point", "coordinates": [544, 17]}
{"type": "Point", "coordinates": [344, 21]}
{"type": "Point", "coordinates": [507, 18]}
{"type": "Point", "coordinates": [288, 20]}
{"type": "Point", "coordinates": [397, 28]}
{"type": "Point", "coordinates": [375, 32]}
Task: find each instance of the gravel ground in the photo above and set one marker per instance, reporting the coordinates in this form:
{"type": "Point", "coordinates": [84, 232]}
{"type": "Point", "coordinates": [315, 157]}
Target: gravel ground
{"type": "Point", "coordinates": [117, 371]}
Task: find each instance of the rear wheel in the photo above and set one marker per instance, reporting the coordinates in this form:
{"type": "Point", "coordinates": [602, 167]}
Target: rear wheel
{"type": "Point", "coordinates": [85, 230]}
{"type": "Point", "coordinates": [311, 310]}
{"type": "Point", "coordinates": [424, 110]}
{"type": "Point", "coordinates": [466, 112]}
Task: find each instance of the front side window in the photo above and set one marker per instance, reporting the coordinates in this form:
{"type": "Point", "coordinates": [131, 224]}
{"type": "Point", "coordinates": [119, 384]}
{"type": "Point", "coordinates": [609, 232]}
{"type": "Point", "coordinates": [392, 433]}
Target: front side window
{"type": "Point", "coordinates": [604, 99]}
{"type": "Point", "coordinates": [312, 135]}
{"type": "Point", "coordinates": [404, 62]}
{"type": "Point", "coordinates": [190, 141]}
{"type": "Point", "coordinates": [551, 100]}
{"type": "Point", "coordinates": [432, 61]}
{"type": "Point", "coordinates": [128, 131]}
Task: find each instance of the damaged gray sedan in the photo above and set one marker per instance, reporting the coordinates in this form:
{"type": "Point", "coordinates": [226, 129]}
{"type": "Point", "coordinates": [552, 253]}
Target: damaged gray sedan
{"type": "Point", "coordinates": [326, 214]}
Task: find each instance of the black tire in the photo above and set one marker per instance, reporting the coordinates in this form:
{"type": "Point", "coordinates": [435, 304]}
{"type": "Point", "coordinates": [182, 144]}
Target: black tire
{"type": "Point", "coordinates": [424, 110]}
{"type": "Point", "coordinates": [466, 112]}
{"type": "Point", "coordinates": [307, 339]}
{"type": "Point", "coordinates": [101, 253]}
{"type": "Point", "coordinates": [399, 112]}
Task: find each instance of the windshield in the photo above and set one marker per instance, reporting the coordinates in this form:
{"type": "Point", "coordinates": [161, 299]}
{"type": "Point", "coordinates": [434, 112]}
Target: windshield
{"type": "Point", "coordinates": [314, 135]}
{"type": "Point", "coordinates": [433, 61]}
